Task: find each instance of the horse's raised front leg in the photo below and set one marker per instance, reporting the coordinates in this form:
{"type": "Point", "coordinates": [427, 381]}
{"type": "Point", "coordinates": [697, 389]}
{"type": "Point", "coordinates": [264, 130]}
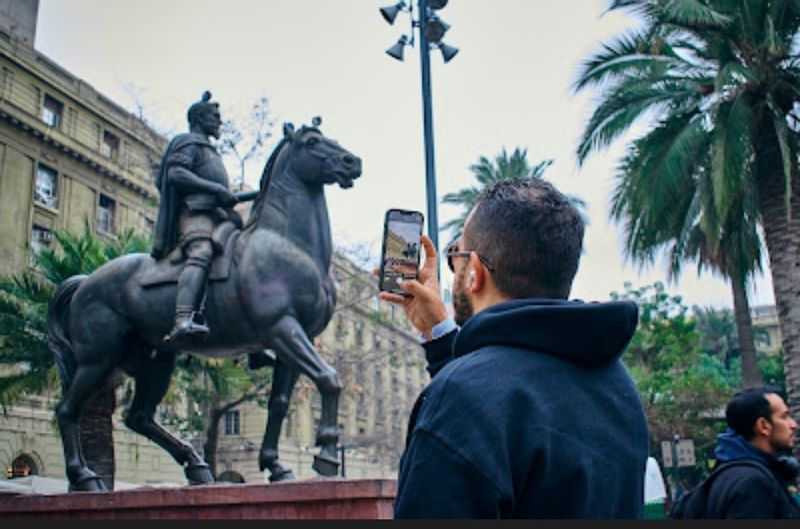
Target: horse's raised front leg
{"type": "Point", "coordinates": [83, 386]}
{"type": "Point", "coordinates": [283, 381]}
{"type": "Point", "coordinates": [152, 376]}
{"type": "Point", "coordinates": [289, 341]}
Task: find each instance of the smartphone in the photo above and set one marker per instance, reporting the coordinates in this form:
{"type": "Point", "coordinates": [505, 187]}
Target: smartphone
{"type": "Point", "coordinates": [400, 251]}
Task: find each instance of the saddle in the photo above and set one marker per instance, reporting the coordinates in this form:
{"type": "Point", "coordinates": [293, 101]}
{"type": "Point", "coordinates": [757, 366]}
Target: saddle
{"type": "Point", "coordinates": [168, 269]}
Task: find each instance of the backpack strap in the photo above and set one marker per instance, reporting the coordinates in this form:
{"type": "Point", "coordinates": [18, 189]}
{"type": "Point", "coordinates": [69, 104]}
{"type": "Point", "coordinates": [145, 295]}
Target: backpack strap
{"type": "Point", "coordinates": [692, 504]}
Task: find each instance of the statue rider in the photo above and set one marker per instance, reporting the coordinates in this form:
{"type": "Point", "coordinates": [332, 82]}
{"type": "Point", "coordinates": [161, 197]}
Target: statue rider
{"type": "Point", "coordinates": [195, 199]}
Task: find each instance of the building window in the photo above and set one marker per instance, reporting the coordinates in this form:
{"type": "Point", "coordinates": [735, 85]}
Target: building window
{"type": "Point", "coordinates": [41, 239]}
{"type": "Point", "coordinates": [52, 110]}
{"type": "Point", "coordinates": [22, 467]}
{"type": "Point", "coordinates": [288, 425]}
{"type": "Point", "coordinates": [46, 186]}
{"type": "Point", "coordinates": [105, 214]}
{"type": "Point", "coordinates": [232, 423]}
{"type": "Point", "coordinates": [359, 332]}
{"type": "Point", "coordinates": [109, 147]}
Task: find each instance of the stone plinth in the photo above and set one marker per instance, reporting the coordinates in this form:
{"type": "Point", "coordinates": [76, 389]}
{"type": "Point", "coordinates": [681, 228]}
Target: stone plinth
{"type": "Point", "coordinates": [313, 499]}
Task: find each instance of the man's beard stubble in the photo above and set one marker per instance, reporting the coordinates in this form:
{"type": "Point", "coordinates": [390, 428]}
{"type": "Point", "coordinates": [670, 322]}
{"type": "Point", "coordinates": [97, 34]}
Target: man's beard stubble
{"type": "Point", "coordinates": [462, 305]}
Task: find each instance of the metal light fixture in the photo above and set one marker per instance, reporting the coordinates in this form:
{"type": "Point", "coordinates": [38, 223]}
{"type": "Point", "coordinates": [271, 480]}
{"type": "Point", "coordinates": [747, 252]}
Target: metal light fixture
{"type": "Point", "coordinates": [434, 29]}
{"type": "Point", "coordinates": [448, 52]}
{"type": "Point", "coordinates": [390, 13]}
{"type": "Point", "coordinates": [396, 50]}
{"type": "Point", "coordinates": [431, 30]}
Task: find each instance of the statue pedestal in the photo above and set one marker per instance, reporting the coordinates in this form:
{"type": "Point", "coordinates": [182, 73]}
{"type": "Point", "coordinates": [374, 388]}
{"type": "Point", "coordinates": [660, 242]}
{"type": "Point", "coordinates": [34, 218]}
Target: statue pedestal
{"type": "Point", "coordinates": [330, 498]}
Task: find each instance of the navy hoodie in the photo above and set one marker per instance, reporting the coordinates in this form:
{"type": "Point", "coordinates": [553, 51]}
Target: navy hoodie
{"type": "Point", "coordinates": [746, 492]}
{"type": "Point", "coordinates": [534, 416]}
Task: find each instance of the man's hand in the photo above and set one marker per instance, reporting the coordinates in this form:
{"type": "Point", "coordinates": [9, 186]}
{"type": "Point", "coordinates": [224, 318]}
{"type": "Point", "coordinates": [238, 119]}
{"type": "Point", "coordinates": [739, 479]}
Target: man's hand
{"type": "Point", "coordinates": [424, 307]}
{"type": "Point", "coordinates": [226, 198]}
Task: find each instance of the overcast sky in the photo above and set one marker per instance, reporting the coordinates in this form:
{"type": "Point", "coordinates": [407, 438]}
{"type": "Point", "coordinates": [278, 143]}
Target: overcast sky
{"type": "Point", "coordinates": [509, 86]}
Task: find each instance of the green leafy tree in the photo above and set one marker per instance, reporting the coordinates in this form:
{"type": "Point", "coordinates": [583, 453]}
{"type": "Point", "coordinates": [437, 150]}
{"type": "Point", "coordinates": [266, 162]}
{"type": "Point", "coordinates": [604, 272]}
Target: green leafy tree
{"type": "Point", "coordinates": [219, 386]}
{"type": "Point", "coordinates": [488, 172]}
{"type": "Point", "coordinates": [720, 78]}
{"type": "Point", "coordinates": [681, 391]}
{"type": "Point", "coordinates": [26, 361]}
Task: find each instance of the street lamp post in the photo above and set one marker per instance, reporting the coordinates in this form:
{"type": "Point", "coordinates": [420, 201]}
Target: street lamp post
{"type": "Point", "coordinates": [427, 119]}
{"type": "Point", "coordinates": [431, 29]}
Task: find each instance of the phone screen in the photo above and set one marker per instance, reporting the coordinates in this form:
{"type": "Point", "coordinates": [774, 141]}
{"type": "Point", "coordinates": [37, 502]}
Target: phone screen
{"type": "Point", "coordinates": [401, 248]}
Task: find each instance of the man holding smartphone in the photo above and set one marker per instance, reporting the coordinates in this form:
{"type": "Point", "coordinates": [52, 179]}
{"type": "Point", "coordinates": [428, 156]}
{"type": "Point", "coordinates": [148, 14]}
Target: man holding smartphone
{"type": "Point", "coordinates": [530, 413]}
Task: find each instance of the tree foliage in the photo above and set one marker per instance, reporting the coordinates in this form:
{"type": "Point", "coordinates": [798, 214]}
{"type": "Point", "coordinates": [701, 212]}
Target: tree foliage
{"type": "Point", "coordinates": [487, 171]}
{"type": "Point", "coordinates": [26, 361]}
{"type": "Point", "coordinates": [682, 390]}
{"type": "Point", "coordinates": [717, 83]}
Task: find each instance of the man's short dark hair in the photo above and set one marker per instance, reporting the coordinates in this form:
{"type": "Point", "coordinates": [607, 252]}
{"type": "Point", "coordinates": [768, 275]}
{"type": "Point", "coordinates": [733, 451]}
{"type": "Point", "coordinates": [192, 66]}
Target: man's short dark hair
{"type": "Point", "coordinates": [531, 233]}
{"type": "Point", "coordinates": [746, 407]}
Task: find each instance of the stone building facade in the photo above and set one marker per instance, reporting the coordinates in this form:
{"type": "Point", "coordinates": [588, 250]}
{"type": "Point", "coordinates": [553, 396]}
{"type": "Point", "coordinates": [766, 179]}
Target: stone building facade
{"type": "Point", "coordinates": [68, 156]}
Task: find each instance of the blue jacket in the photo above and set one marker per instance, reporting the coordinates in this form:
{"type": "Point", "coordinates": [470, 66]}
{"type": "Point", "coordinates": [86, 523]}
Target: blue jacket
{"type": "Point", "coordinates": [530, 414]}
{"type": "Point", "coordinates": [746, 492]}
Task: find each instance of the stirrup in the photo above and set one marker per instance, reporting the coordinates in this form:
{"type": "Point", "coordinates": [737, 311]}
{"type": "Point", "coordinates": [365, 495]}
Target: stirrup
{"type": "Point", "coordinates": [187, 329]}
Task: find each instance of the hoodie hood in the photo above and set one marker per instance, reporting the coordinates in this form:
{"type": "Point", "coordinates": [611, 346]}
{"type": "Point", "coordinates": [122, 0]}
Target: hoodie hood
{"type": "Point", "coordinates": [588, 334]}
{"type": "Point", "coordinates": [733, 447]}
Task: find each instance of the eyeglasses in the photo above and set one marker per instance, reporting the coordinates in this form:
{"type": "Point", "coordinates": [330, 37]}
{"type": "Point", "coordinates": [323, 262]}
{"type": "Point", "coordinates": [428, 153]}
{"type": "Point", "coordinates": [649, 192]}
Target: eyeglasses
{"type": "Point", "coordinates": [452, 251]}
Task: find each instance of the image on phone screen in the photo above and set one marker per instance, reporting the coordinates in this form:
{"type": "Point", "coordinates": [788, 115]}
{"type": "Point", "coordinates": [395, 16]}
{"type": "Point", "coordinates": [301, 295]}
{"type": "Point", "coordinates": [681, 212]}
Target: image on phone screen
{"type": "Point", "coordinates": [401, 249]}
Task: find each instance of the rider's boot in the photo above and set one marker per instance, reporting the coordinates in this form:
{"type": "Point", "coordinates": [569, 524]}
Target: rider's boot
{"type": "Point", "coordinates": [191, 285]}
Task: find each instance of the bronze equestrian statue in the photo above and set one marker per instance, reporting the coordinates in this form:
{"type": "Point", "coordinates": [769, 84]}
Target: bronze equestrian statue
{"type": "Point", "coordinates": [269, 288]}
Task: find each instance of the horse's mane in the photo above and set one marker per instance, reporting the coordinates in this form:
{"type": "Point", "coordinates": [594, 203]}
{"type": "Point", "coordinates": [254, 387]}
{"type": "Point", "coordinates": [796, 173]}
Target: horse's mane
{"type": "Point", "coordinates": [266, 174]}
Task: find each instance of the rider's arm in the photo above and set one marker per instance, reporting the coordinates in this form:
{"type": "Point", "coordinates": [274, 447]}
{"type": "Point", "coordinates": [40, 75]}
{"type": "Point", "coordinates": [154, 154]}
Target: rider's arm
{"type": "Point", "coordinates": [180, 175]}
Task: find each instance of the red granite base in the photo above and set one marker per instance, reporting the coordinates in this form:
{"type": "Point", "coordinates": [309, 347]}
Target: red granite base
{"type": "Point", "coordinates": [319, 499]}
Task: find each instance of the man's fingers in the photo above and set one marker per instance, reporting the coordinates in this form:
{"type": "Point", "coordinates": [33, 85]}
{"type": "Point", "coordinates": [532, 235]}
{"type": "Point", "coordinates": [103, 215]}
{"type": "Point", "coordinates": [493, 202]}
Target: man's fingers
{"type": "Point", "coordinates": [392, 298]}
{"type": "Point", "coordinates": [427, 243]}
{"type": "Point", "coordinates": [414, 287]}
{"type": "Point", "coordinates": [428, 269]}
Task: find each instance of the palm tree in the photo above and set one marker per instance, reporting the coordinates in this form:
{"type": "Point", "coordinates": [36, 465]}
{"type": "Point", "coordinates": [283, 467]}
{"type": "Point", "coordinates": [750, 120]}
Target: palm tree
{"type": "Point", "coordinates": [487, 172]}
{"type": "Point", "coordinates": [721, 78]}
{"type": "Point", "coordinates": [665, 209]}
{"type": "Point", "coordinates": [26, 360]}
{"type": "Point", "coordinates": [24, 351]}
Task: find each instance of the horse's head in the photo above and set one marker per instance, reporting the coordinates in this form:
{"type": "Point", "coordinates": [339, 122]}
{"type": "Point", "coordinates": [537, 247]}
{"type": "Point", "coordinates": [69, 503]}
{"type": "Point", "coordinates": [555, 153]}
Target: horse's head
{"type": "Point", "coordinates": [318, 160]}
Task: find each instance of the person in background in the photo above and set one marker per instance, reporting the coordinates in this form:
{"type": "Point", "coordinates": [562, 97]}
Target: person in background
{"type": "Point", "coordinates": [760, 430]}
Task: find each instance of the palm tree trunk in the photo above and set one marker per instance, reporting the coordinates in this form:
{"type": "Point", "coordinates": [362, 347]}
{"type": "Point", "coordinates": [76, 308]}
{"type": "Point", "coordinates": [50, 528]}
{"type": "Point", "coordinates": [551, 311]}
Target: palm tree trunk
{"type": "Point", "coordinates": [97, 433]}
{"type": "Point", "coordinates": [751, 375]}
{"type": "Point", "coordinates": [783, 244]}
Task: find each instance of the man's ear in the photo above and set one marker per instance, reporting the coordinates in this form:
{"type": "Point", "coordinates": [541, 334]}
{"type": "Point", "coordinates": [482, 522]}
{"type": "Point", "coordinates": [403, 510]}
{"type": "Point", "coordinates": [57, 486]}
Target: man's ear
{"type": "Point", "coordinates": [476, 275]}
{"type": "Point", "coordinates": [763, 427]}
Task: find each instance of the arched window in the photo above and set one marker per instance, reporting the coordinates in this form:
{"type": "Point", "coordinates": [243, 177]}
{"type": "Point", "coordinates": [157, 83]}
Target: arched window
{"type": "Point", "coordinates": [230, 476]}
{"type": "Point", "coordinates": [22, 466]}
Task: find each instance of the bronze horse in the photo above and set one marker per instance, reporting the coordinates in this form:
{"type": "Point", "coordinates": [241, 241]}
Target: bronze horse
{"type": "Point", "coordinates": [278, 296]}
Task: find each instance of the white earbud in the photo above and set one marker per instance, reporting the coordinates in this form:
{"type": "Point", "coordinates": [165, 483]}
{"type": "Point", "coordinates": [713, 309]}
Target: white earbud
{"type": "Point", "coordinates": [470, 278]}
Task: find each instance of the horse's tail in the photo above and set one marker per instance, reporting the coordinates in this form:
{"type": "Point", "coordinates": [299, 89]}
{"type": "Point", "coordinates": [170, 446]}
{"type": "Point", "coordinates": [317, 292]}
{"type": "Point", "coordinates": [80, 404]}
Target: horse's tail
{"type": "Point", "coordinates": [58, 329]}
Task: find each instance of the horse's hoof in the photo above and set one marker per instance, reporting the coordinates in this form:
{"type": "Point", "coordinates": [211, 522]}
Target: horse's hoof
{"type": "Point", "coordinates": [325, 466]}
{"type": "Point", "coordinates": [198, 474]}
{"type": "Point", "coordinates": [88, 484]}
{"type": "Point", "coordinates": [284, 474]}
